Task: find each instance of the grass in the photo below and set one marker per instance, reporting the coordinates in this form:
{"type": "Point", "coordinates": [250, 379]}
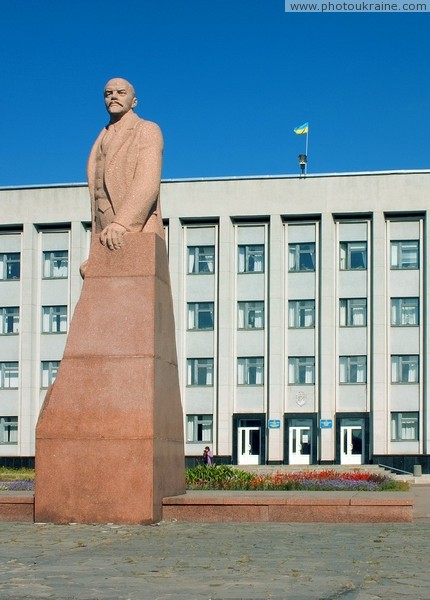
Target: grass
{"type": "Point", "coordinates": [226, 477]}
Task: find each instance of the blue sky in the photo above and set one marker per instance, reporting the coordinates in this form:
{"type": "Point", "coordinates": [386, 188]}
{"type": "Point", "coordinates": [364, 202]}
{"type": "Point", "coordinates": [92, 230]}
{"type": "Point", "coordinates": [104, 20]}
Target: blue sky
{"type": "Point", "coordinates": [227, 81]}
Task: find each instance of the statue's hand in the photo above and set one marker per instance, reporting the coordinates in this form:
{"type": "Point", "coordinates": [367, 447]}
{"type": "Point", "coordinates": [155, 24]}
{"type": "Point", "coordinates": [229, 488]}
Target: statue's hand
{"type": "Point", "coordinates": [83, 268]}
{"type": "Point", "coordinates": [112, 236]}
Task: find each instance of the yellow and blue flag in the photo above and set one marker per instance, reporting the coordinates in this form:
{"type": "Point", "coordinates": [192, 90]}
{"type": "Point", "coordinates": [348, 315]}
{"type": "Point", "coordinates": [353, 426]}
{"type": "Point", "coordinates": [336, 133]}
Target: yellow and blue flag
{"type": "Point", "coordinates": [302, 129]}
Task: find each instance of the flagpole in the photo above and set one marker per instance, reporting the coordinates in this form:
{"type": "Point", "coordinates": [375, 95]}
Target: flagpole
{"type": "Point", "coordinates": [306, 149]}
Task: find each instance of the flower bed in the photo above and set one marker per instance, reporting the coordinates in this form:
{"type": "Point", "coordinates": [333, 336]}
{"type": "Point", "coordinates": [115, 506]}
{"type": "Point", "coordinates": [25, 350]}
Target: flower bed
{"type": "Point", "coordinates": [16, 480]}
{"type": "Point", "coordinates": [225, 477]}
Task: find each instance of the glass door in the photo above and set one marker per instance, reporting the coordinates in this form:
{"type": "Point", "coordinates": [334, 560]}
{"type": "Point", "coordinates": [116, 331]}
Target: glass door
{"type": "Point", "coordinates": [351, 444]}
{"type": "Point", "coordinates": [299, 450]}
{"type": "Point", "coordinates": [249, 442]}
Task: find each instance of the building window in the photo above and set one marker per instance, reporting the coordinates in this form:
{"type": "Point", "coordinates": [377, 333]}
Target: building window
{"type": "Point", "coordinates": [8, 430]}
{"type": "Point", "coordinates": [49, 372]}
{"type": "Point", "coordinates": [201, 259]}
{"type": "Point", "coordinates": [250, 370]}
{"type": "Point", "coordinates": [9, 320]}
{"type": "Point", "coordinates": [405, 312]}
{"type": "Point", "coordinates": [301, 313]}
{"type": "Point", "coordinates": [250, 315]}
{"type": "Point", "coordinates": [10, 265]}
{"type": "Point", "coordinates": [352, 369]}
{"type": "Point", "coordinates": [54, 319]}
{"type": "Point", "coordinates": [404, 426]}
{"type": "Point", "coordinates": [405, 254]}
{"type": "Point", "coordinates": [200, 315]}
{"type": "Point", "coordinates": [353, 256]}
{"type": "Point", "coordinates": [251, 259]}
{"type": "Point", "coordinates": [404, 368]}
{"type": "Point", "coordinates": [8, 375]}
{"type": "Point", "coordinates": [301, 257]}
{"type": "Point", "coordinates": [353, 312]}
{"type": "Point", "coordinates": [55, 264]}
{"type": "Point", "coordinates": [199, 428]}
{"type": "Point", "coordinates": [200, 371]}
{"type": "Point", "coordinates": [301, 370]}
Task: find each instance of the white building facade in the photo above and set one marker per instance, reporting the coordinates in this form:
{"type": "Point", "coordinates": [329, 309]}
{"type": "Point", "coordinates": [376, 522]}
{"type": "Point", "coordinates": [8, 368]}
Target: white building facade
{"type": "Point", "coordinates": [301, 306]}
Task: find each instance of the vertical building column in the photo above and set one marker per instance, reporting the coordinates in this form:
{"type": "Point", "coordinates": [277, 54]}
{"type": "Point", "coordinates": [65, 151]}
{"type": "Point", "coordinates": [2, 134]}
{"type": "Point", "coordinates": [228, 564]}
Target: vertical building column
{"type": "Point", "coordinates": [29, 352]}
{"type": "Point", "coordinates": [276, 338]}
{"type": "Point", "coordinates": [175, 244]}
{"type": "Point", "coordinates": [378, 336]}
{"type": "Point", "coordinates": [79, 246]}
{"type": "Point", "coordinates": [426, 335]}
{"type": "Point", "coordinates": [226, 265]}
{"type": "Point", "coordinates": [328, 362]}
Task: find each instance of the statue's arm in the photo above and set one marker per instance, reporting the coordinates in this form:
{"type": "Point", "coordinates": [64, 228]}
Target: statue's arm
{"type": "Point", "coordinates": [145, 187]}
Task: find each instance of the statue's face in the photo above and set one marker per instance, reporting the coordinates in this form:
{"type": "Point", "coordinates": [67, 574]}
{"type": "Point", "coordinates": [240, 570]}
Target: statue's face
{"type": "Point", "coordinates": [119, 98]}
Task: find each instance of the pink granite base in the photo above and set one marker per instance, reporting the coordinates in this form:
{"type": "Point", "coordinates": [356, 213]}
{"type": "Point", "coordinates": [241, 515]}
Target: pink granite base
{"type": "Point", "coordinates": [16, 507]}
{"type": "Point", "coordinates": [260, 507]}
{"type": "Point", "coordinates": [109, 440]}
{"type": "Point", "coordinates": [290, 507]}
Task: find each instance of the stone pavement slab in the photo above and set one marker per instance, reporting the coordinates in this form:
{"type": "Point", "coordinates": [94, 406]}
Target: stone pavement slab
{"type": "Point", "coordinates": [219, 561]}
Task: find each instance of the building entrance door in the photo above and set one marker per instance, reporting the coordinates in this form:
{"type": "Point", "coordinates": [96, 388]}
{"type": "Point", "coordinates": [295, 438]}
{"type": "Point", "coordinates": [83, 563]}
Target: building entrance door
{"type": "Point", "coordinates": [351, 445]}
{"type": "Point", "coordinates": [299, 450]}
{"type": "Point", "coordinates": [249, 445]}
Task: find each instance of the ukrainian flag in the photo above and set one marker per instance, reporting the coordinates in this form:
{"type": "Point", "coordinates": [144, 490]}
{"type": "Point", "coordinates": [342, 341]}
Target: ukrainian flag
{"type": "Point", "coordinates": [302, 129]}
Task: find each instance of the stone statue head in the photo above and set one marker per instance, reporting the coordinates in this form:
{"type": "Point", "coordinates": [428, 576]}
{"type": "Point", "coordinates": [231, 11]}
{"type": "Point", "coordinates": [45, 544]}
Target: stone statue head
{"type": "Point", "coordinates": [119, 97]}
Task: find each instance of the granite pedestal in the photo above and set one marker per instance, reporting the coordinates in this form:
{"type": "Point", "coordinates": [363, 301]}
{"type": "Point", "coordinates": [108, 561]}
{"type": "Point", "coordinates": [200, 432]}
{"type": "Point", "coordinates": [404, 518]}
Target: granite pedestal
{"type": "Point", "coordinates": [109, 440]}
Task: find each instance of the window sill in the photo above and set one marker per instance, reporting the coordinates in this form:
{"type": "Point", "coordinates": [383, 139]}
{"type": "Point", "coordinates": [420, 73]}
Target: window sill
{"type": "Point", "coordinates": [257, 385]}
{"type": "Point", "coordinates": [54, 332]}
{"type": "Point", "coordinates": [50, 278]}
{"type": "Point", "coordinates": [199, 385]}
{"type": "Point", "coordinates": [250, 272]}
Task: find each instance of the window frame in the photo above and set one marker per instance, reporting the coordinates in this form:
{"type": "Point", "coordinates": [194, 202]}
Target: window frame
{"type": "Point", "coordinates": [298, 310]}
{"type": "Point", "coordinates": [296, 253]}
{"type": "Point", "coordinates": [7, 259]}
{"type": "Point", "coordinates": [399, 362]}
{"type": "Point", "coordinates": [398, 421]}
{"type": "Point", "coordinates": [9, 372]}
{"type": "Point", "coordinates": [197, 257]}
{"type": "Point", "coordinates": [51, 372]}
{"type": "Point", "coordinates": [3, 425]}
{"type": "Point", "coordinates": [196, 424]}
{"type": "Point", "coordinates": [298, 365]}
{"type": "Point", "coordinates": [250, 253]}
{"type": "Point", "coordinates": [347, 252]}
{"type": "Point", "coordinates": [396, 263]}
{"type": "Point", "coordinates": [246, 373]}
{"type": "Point", "coordinates": [401, 309]}
{"type": "Point", "coordinates": [196, 366]}
{"type": "Point", "coordinates": [244, 314]}
{"type": "Point", "coordinates": [195, 311]}
{"type": "Point", "coordinates": [55, 314]}
{"type": "Point", "coordinates": [346, 311]}
{"type": "Point", "coordinates": [346, 365]}
{"type": "Point", "coordinates": [5, 315]}
{"type": "Point", "coordinates": [48, 264]}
